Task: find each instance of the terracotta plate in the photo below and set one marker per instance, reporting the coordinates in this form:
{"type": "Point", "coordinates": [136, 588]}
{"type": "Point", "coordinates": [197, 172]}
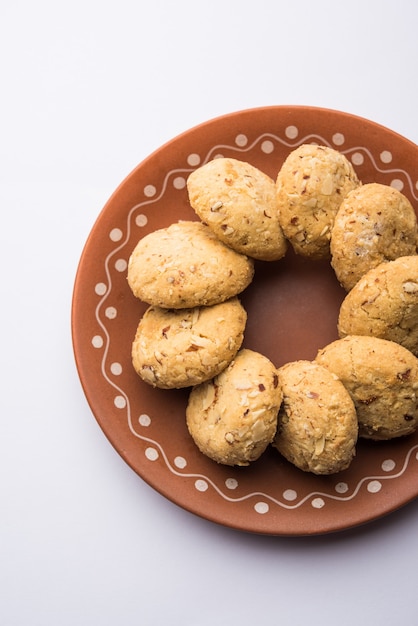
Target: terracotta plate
{"type": "Point", "coordinates": [292, 310]}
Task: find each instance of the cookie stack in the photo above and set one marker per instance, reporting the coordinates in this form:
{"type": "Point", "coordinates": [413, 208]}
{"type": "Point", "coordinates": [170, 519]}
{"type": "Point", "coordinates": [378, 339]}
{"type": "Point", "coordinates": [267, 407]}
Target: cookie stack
{"type": "Point", "coordinates": [191, 274]}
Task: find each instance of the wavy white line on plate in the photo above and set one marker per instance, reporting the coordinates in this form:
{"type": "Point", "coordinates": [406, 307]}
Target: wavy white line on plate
{"type": "Point", "coordinates": [141, 205]}
{"type": "Point", "coordinates": [319, 139]}
{"type": "Point", "coordinates": [259, 494]}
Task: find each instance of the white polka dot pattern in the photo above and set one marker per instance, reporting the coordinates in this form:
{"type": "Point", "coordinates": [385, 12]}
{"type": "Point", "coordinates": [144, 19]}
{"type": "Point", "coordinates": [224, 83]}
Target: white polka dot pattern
{"type": "Point", "coordinates": [260, 503]}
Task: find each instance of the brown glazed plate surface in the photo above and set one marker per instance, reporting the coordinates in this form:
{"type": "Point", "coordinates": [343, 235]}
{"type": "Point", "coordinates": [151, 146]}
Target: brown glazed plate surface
{"type": "Point", "coordinates": [292, 310]}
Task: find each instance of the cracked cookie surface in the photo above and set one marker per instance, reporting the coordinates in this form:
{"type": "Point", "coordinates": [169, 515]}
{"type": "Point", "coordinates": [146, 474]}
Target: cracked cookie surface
{"type": "Point", "coordinates": [233, 417]}
{"type": "Point", "coordinates": [374, 223]}
{"type": "Point", "coordinates": [311, 185]}
{"type": "Point", "coordinates": [186, 265]}
{"type": "Point", "coordinates": [382, 379]}
{"type": "Point", "coordinates": [184, 347]}
{"type": "Point", "coordinates": [384, 303]}
{"type": "Point", "coordinates": [238, 202]}
{"type": "Point", "coordinates": [317, 424]}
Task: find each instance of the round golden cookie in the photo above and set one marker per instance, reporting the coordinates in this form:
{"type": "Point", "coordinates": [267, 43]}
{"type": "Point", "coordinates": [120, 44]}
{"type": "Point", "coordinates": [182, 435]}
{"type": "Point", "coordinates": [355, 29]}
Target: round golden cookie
{"type": "Point", "coordinates": [384, 303]}
{"type": "Point", "coordinates": [382, 379]}
{"type": "Point", "coordinates": [233, 418]}
{"type": "Point", "coordinates": [184, 347]}
{"type": "Point", "coordinates": [317, 425]}
{"type": "Point", "coordinates": [311, 184]}
{"type": "Point", "coordinates": [238, 202]}
{"type": "Point", "coordinates": [185, 265]}
{"type": "Point", "coordinates": [374, 223]}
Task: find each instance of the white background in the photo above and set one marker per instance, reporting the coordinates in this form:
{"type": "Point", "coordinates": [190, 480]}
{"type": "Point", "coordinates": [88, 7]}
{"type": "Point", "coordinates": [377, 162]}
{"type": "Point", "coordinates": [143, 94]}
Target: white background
{"type": "Point", "coordinates": [88, 89]}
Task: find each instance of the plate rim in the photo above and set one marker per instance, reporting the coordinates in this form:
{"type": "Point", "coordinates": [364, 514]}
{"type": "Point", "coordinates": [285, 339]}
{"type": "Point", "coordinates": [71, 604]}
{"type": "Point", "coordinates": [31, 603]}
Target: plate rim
{"type": "Point", "coordinates": [75, 304]}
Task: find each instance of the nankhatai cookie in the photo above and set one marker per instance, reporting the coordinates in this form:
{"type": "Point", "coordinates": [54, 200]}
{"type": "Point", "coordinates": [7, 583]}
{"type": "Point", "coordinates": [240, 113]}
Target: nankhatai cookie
{"type": "Point", "coordinates": [382, 379]}
{"type": "Point", "coordinates": [184, 347]}
{"type": "Point", "coordinates": [311, 184]}
{"type": "Point", "coordinates": [374, 223]}
{"type": "Point", "coordinates": [317, 424]}
{"type": "Point", "coordinates": [186, 265]}
{"type": "Point", "coordinates": [233, 418]}
{"type": "Point", "coordinates": [238, 202]}
{"type": "Point", "coordinates": [384, 303]}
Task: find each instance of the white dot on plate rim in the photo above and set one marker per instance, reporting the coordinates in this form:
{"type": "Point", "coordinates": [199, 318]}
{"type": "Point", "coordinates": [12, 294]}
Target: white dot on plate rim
{"type": "Point", "coordinates": [116, 369]}
{"type": "Point", "coordinates": [374, 486]}
{"type": "Point", "coordinates": [119, 402]}
{"type": "Point", "coordinates": [180, 462]}
{"type": "Point", "coordinates": [141, 220]}
{"type": "Point", "coordinates": [261, 507]}
{"type": "Point", "coordinates": [201, 485]}
{"type": "Point", "coordinates": [97, 341]}
{"type": "Point", "coordinates": [318, 503]}
{"type": "Point", "coordinates": [388, 465]}
{"type": "Point", "coordinates": [144, 419]}
{"type": "Point", "coordinates": [179, 182]}
{"type": "Point", "coordinates": [396, 183]}
{"type": "Point", "coordinates": [290, 495]}
{"type": "Point", "coordinates": [231, 483]}
{"type": "Point", "coordinates": [291, 132]}
{"type": "Point", "coordinates": [386, 156]}
{"type": "Point", "coordinates": [149, 191]}
{"type": "Point", "coordinates": [111, 312]}
{"type": "Point", "coordinates": [338, 139]}
{"type": "Point", "coordinates": [151, 454]}
{"type": "Point", "coordinates": [241, 140]}
{"type": "Point", "coordinates": [121, 265]}
{"type": "Point", "coordinates": [341, 487]}
{"type": "Point", "coordinates": [116, 234]}
{"type": "Point", "coordinates": [357, 158]}
{"type": "Point", "coordinates": [267, 146]}
{"type": "Point", "coordinates": [100, 289]}
{"type": "Point", "coordinates": [193, 159]}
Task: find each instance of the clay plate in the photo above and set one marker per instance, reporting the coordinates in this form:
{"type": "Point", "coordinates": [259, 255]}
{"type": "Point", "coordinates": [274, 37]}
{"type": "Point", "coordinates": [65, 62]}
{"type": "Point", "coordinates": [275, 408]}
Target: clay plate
{"type": "Point", "coordinates": [292, 310]}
